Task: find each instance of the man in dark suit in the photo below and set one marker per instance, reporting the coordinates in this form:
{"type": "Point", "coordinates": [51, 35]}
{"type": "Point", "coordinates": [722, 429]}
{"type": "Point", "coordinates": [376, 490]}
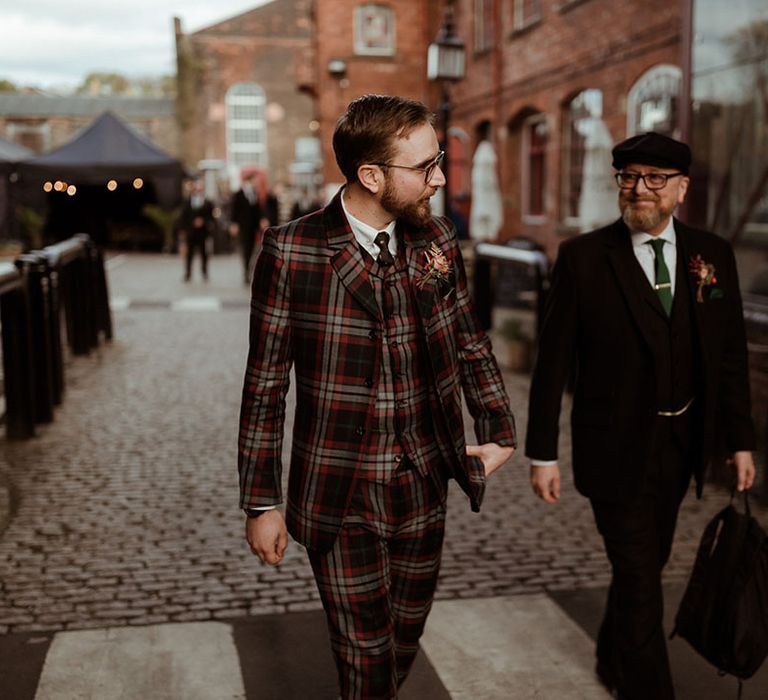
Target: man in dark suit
{"type": "Point", "coordinates": [246, 216]}
{"type": "Point", "coordinates": [367, 300]}
{"type": "Point", "coordinates": [650, 312]}
{"type": "Point", "coordinates": [196, 223]}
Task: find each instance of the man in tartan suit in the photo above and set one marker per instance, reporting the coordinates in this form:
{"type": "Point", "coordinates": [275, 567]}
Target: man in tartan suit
{"type": "Point", "coordinates": [367, 301]}
{"type": "Point", "coordinates": [649, 310]}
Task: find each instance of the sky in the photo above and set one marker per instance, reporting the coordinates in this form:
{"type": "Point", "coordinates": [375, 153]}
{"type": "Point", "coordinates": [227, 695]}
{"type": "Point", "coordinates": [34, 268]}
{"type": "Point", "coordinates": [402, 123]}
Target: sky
{"type": "Point", "coordinates": [53, 44]}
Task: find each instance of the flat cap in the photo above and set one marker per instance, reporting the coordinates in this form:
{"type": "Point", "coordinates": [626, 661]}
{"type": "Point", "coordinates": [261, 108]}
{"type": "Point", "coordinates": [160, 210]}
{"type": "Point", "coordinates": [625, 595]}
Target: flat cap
{"type": "Point", "coordinates": [652, 149]}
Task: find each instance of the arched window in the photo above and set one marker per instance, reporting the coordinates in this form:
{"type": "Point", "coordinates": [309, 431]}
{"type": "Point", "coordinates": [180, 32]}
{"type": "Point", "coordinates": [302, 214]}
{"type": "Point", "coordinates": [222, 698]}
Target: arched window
{"type": "Point", "coordinates": [459, 162]}
{"type": "Point", "coordinates": [246, 126]}
{"type": "Point", "coordinates": [534, 180]}
{"type": "Point", "coordinates": [653, 103]}
{"type": "Point", "coordinates": [581, 110]}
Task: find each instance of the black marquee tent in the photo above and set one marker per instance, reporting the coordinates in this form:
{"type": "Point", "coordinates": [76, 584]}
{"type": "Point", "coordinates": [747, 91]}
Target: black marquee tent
{"type": "Point", "coordinates": [108, 149]}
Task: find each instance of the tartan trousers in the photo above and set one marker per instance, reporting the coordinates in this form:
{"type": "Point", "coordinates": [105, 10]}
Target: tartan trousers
{"type": "Point", "coordinates": [377, 581]}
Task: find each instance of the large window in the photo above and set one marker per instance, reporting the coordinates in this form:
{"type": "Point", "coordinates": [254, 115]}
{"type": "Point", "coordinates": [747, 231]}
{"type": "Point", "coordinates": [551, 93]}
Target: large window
{"type": "Point", "coordinates": [246, 126]}
{"type": "Point", "coordinates": [729, 189]}
{"type": "Point", "coordinates": [374, 30]}
{"type": "Point", "coordinates": [535, 139]}
{"type": "Point", "coordinates": [525, 13]}
{"type": "Point", "coordinates": [653, 103]}
{"type": "Point", "coordinates": [484, 25]}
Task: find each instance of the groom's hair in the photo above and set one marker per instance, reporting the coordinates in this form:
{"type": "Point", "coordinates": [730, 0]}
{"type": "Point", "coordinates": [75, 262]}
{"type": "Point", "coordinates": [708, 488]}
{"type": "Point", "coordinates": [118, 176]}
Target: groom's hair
{"type": "Point", "coordinates": [366, 132]}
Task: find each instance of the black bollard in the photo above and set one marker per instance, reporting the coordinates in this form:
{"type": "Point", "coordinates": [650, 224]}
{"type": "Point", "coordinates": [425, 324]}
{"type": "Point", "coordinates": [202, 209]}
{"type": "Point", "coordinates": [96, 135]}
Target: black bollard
{"type": "Point", "coordinates": [35, 270]}
{"type": "Point", "coordinates": [17, 351]}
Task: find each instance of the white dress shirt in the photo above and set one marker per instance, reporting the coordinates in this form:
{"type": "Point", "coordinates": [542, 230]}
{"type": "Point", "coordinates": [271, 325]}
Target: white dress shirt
{"type": "Point", "coordinates": [646, 257]}
{"type": "Point", "coordinates": [364, 234]}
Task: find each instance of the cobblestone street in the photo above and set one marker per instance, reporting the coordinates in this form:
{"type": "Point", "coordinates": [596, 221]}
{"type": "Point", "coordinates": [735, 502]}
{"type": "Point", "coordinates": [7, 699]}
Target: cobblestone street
{"type": "Point", "coordinates": [125, 508]}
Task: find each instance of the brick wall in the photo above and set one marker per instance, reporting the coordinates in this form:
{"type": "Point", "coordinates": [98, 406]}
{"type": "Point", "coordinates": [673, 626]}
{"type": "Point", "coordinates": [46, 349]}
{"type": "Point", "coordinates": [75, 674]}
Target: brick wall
{"type": "Point", "coordinates": [402, 73]}
{"type": "Point", "coordinates": [600, 44]}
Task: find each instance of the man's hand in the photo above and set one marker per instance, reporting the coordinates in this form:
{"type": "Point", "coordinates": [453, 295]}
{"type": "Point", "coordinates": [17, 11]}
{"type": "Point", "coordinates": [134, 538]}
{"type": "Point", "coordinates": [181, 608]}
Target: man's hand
{"type": "Point", "coordinates": [234, 229]}
{"type": "Point", "coordinates": [546, 482]}
{"type": "Point", "coordinates": [267, 536]}
{"type": "Point", "coordinates": [491, 455]}
{"type": "Point", "coordinates": [744, 469]}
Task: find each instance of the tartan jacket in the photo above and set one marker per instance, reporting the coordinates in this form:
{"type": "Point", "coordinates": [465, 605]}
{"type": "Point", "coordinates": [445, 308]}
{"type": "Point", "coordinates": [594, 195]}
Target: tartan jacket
{"type": "Point", "coordinates": [597, 314]}
{"type": "Point", "coordinates": [313, 309]}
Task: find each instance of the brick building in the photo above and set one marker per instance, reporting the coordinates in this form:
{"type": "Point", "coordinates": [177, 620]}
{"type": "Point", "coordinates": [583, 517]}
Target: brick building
{"type": "Point", "coordinates": [238, 102]}
{"type": "Point", "coordinates": [553, 83]}
{"type": "Point", "coordinates": [361, 47]}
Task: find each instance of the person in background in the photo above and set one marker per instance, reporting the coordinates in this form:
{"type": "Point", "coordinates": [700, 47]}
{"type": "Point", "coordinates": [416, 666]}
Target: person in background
{"type": "Point", "coordinates": [195, 226]}
{"type": "Point", "coordinates": [246, 220]}
{"type": "Point", "coordinates": [649, 309]}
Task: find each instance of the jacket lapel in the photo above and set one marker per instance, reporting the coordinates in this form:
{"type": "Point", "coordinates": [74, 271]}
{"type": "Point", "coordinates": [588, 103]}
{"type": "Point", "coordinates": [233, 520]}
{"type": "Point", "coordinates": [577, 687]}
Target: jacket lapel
{"type": "Point", "coordinates": [682, 232]}
{"type": "Point", "coordinates": [347, 260]}
{"type": "Point", "coordinates": [415, 246]}
{"type": "Point", "coordinates": [641, 298]}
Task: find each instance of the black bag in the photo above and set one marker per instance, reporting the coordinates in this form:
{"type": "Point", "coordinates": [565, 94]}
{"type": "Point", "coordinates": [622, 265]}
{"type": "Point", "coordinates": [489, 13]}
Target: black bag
{"type": "Point", "coordinates": [724, 611]}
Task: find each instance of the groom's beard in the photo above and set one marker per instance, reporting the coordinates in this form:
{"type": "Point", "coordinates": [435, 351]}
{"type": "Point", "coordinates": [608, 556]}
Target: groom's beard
{"type": "Point", "coordinates": [639, 218]}
{"type": "Point", "coordinates": [416, 213]}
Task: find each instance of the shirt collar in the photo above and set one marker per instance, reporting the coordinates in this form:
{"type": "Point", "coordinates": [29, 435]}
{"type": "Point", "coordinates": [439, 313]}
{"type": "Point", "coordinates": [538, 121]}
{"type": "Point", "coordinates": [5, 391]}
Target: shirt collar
{"type": "Point", "coordinates": [365, 233]}
{"type": "Point", "coordinates": [639, 238]}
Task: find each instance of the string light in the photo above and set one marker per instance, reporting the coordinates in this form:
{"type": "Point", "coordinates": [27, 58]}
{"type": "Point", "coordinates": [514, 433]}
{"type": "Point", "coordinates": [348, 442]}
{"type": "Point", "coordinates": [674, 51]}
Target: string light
{"type": "Point", "coordinates": [112, 185]}
{"type": "Point", "coordinates": [48, 186]}
{"type": "Point", "coordinates": [138, 183]}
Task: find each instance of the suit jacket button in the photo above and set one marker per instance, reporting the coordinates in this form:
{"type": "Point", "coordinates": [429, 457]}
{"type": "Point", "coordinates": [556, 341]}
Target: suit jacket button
{"type": "Point", "coordinates": [360, 430]}
{"type": "Point", "coordinates": [368, 382]}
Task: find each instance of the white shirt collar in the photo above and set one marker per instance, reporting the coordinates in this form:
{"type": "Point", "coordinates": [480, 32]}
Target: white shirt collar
{"type": "Point", "coordinates": [364, 234]}
{"type": "Point", "coordinates": [639, 238]}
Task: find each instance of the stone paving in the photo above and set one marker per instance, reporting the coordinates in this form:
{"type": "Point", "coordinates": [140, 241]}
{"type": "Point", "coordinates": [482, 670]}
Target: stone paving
{"type": "Point", "coordinates": [124, 509]}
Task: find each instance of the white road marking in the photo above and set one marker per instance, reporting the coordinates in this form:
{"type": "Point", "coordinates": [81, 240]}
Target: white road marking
{"type": "Point", "coordinates": [193, 661]}
{"type": "Point", "coordinates": [523, 647]}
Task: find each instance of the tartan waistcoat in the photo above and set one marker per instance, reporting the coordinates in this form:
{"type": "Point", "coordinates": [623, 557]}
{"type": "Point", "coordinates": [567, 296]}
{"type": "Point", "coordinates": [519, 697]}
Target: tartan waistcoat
{"type": "Point", "coordinates": [402, 423]}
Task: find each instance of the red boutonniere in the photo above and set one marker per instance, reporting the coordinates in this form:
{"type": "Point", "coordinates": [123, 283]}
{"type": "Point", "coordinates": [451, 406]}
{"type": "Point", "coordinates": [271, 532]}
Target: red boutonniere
{"type": "Point", "coordinates": [437, 269]}
{"type": "Point", "coordinates": [703, 274]}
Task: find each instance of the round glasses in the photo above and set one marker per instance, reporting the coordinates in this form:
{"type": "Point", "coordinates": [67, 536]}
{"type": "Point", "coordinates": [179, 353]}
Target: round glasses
{"type": "Point", "coordinates": [428, 169]}
{"type": "Point", "coordinates": [652, 181]}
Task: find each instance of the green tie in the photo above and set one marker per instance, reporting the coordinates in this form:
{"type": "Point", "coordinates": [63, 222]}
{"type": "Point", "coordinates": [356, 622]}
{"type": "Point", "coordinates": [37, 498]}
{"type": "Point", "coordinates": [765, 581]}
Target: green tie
{"type": "Point", "coordinates": [663, 283]}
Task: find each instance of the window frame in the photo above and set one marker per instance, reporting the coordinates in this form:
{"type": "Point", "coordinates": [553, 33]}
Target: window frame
{"type": "Point", "coordinates": [256, 99]}
{"type": "Point", "coordinates": [655, 74]}
{"type": "Point", "coordinates": [483, 29]}
{"type": "Point", "coordinates": [530, 123]}
{"type": "Point", "coordinates": [388, 46]}
{"type": "Point", "coordinates": [566, 165]}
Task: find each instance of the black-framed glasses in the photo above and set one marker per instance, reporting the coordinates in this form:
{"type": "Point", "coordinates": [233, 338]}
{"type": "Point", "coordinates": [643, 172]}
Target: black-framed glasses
{"type": "Point", "coordinates": [652, 181]}
{"type": "Point", "coordinates": [428, 169]}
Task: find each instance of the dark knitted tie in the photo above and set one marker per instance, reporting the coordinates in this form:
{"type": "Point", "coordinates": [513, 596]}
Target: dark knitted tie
{"type": "Point", "coordinates": [663, 283]}
{"type": "Point", "coordinates": [385, 257]}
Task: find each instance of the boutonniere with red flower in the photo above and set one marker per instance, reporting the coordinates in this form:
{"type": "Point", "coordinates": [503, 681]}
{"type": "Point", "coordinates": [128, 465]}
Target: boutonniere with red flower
{"type": "Point", "coordinates": [703, 275]}
{"type": "Point", "coordinates": [437, 269]}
